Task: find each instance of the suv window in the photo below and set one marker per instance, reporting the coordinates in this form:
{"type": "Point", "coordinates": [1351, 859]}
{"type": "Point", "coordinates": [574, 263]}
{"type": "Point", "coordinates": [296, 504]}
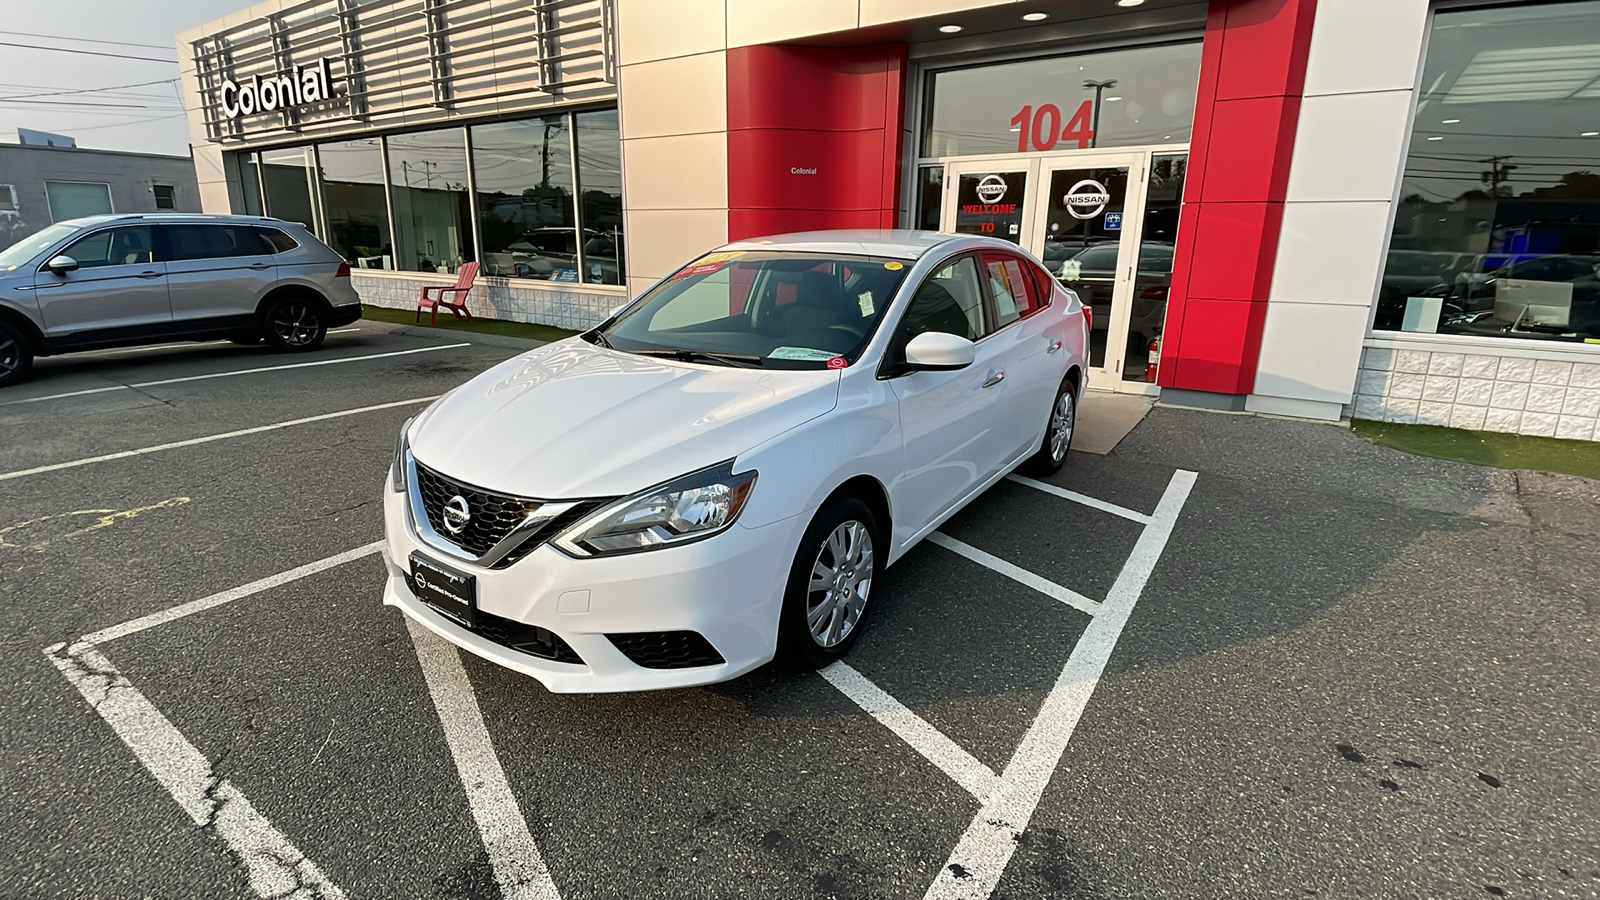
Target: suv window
{"type": "Point", "coordinates": [217, 241]}
{"type": "Point", "coordinates": [128, 245]}
{"type": "Point", "coordinates": [951, 300]}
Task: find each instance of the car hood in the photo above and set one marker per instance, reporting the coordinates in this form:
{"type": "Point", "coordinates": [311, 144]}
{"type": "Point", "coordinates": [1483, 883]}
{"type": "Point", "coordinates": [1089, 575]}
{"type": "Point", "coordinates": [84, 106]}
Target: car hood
{"type": "Point", "coordinates": [572, 420]}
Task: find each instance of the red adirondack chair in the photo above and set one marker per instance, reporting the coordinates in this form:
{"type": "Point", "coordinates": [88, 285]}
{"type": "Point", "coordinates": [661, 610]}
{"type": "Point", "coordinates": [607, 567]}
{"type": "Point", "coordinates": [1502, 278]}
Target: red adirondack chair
{"type": "Point", "coordinates": [434, 297]}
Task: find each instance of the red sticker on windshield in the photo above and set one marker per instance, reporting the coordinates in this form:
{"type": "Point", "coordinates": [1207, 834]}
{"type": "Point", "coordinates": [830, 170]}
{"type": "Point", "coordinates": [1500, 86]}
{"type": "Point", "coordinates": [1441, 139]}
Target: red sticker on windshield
{"type": "Point", "coordinates": [704, 269]}
{"type": "Point", "coordinates": [838, 362]}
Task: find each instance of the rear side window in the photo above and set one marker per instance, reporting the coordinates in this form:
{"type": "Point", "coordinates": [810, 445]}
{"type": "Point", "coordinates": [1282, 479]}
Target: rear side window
{"type": "Point", "coordinates": [1015, 294]}
{"type": "Point", "coordinates": [276, 240]}
{"type": "Point", "coordinates": [219, 241]}
{"type": "Point", "coordinates": [950, 301]}
{"type": "Point", "coordinates": [129, 245]}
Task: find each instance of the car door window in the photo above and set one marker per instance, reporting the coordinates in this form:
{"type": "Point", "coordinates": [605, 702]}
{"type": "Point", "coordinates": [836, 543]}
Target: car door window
{"type": "Point", "coordinates": [126, 246]}
{"type": "Point", "coordinates": [1014, 293]}
{"type": "Point", "coordinates": [951, 301]}
{"type": "Point", "coordinates": [216, 241]}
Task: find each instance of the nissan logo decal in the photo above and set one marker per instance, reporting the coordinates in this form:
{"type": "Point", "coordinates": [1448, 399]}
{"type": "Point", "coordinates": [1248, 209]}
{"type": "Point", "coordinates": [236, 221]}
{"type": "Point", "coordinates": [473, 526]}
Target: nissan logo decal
{"type": "Point", "coordinates": [991, 188]}
{"type": "Point", "coordinates": [1087, 199]}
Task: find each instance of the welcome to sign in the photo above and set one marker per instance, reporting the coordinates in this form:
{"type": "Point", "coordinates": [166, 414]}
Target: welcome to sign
{"type": "Point", "coordinates": [301, 86]}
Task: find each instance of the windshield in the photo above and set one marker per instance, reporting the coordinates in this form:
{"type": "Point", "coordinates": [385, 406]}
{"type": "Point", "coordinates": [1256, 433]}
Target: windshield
{"type": "Point", "coordinates": [768, 309]}
{"type": "Point", "coordinates": [32, 245]}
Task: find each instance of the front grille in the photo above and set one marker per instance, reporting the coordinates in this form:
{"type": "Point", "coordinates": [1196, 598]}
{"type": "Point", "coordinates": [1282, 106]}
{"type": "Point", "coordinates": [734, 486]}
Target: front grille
{"type": "Point", "coordinates": [493, 515]}
{"type": "Point", "coordinates": [667, 649]}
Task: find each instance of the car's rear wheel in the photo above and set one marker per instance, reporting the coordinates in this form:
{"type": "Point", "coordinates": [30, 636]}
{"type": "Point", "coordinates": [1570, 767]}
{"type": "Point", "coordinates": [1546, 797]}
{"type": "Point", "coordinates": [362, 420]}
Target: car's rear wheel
{"type": "Point", "coordinates": [1057, 433]}
{"type": "Point", "coordinates": [827, 599]}
{"type": "Point", "coordinates": [295, 323]}
{"type": "Point", "coordinates": [16, 354]}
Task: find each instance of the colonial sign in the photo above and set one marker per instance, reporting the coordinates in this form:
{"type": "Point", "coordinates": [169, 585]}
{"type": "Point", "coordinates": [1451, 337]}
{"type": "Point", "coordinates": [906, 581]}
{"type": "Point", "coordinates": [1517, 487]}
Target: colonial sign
{"type": "Point", "coordinates": [302, 86]}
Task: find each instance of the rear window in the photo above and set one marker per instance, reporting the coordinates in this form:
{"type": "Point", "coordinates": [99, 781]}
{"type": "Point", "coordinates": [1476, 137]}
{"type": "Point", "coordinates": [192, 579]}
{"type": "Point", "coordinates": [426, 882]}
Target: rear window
{"type": "Point", "coordinates": [223, 241]}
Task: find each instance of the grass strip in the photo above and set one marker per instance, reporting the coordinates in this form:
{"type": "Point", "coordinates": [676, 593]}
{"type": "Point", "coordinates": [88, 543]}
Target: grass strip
{"type": "Point", "coordinates": [1486, 448]}
{"type": "Point", "coordinates": [480, 325]}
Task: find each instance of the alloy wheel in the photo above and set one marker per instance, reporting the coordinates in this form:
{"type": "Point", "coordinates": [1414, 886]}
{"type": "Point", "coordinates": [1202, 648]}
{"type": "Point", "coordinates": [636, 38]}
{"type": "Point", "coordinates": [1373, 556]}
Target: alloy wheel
{"type": "Point", "coordinates": [296, 324]}
{"type": "Point", "coordinates": [841, 582]}
{"type": "Point", "coordinates": [10, 356]}
{"type": "Point", "coordinates": [1062, 420]}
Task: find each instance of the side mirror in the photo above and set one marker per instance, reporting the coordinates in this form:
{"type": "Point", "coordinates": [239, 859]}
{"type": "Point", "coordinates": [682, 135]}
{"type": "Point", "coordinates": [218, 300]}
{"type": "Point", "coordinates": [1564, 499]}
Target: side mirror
{"type": "Point", "coordinates": [937, 351]}
{"type": "Point", "coordinates": [61, 265]}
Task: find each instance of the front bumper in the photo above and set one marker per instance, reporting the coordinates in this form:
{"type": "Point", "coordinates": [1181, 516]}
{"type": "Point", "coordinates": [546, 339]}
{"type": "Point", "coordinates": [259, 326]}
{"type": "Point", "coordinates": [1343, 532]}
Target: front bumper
{"type": "Point", "coordinates": [728, 588]}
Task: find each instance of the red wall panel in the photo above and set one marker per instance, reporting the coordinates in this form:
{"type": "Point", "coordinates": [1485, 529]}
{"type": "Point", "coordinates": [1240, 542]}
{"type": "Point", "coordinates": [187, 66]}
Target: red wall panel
{"type": "Point", "coordinates": [813, 137]}
{"type": "Point", "coordinates": [1252, 73]}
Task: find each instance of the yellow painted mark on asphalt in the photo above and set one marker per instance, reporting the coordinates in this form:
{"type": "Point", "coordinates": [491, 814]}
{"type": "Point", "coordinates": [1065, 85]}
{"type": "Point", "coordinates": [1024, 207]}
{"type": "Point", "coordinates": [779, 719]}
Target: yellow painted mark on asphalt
{"type": "Point", "coordinates": [102, 518]}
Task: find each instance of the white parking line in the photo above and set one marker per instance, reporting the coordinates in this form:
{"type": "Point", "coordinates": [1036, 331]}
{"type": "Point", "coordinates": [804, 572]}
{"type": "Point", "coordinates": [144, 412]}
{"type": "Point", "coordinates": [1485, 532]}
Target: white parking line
{"type": "Point", "coordinates": [1083, 499]}
{"type": "Point", "coordinates": [174, 613]}
{"type": "Point", "coordinates": [1016, 573]}
{"type": "Point", "coordinates": [979, 859]}
{"type": "Point", "coordinates": [56, 467]}
{"type": "Point", "coordinates": [256, 371]}
{"type": "Point", "coordinates": [951, 758]}
{"type": "Point", "coordinates": [518, 866]}
{"type": "Point", "coordinates": [275, 867]}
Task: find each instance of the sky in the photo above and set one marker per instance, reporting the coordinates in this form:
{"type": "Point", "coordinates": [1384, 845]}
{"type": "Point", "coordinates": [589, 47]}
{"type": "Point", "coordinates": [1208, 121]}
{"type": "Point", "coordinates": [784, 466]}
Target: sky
{"type": "Point", "coordinates": [141, 113]}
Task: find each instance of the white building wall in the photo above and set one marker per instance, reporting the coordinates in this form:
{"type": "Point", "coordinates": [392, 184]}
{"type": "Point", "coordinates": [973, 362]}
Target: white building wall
{"type": "Point", "coordinates": [1349, 151]}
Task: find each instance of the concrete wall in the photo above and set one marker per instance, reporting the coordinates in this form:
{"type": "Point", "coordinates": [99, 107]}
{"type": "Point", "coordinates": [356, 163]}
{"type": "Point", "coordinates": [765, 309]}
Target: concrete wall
{"type": "Point", "coordinates": [130, 175]}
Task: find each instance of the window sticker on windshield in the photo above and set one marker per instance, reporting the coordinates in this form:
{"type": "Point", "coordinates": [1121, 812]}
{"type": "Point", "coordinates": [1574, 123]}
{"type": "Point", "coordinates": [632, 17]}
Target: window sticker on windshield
{"type": "Point", "coordinates": [698, 269]}
{"type": "Point", "coordinates": [865, 300]}
{"type": "Point", "coordinates": [801, 353]}
{"type": "Point", "coordinates": [724, 256]}
{"type": "Point", "coordinates": [894, 266]}
{"type": "Point", "coordinates": [838, 362]}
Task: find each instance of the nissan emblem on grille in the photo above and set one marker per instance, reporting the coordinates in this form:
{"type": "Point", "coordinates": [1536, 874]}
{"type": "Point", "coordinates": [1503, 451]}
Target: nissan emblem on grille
{"type": "Point", "coordinates": [456, 514]}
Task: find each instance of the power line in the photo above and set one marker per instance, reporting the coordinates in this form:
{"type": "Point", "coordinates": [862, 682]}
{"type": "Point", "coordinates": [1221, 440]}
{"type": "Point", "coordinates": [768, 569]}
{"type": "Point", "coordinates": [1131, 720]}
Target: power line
{"type": "Point", "coordinates": [55, 103]}
{"type": "Point", "coordinates": [63, 37]}
{"type": "Point", "coordinates": [62, 92]}
{"type": "Point", "coordinates": [170, 62]}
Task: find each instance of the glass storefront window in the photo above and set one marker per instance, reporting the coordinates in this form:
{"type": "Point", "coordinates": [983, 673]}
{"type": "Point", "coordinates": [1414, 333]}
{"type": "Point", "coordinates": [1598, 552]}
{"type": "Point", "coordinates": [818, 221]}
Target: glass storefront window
{"type": "Point", "coordinates": [1146, 97]}
{"type": "Point", "coordinates": [249, 183]}
{"type": "Point", "coordinates": [1158, 247]}
{"type": "Point", "coordinates": [358, 213]}
{"type": "Point", "coordinates": [600, 190]}
{"type": "Point", "coordinates": [1497, 232]}
{"type": "Point", "coordinates": [432, 214]}
{"type": "Point", "coordinates": [930, 197]}
{"type": "Point", "coordinates": [290, 185]}
{"type": "Point", "coordinates": [526, 215]}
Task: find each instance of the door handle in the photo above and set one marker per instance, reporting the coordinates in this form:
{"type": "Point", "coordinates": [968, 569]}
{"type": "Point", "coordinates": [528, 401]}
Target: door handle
{"type": "Point", "coordinates": [995, 379]}
{"type": "Point", "coordinates": [256, 266]}
{"type": "Point", "coordinates": [1054, 346]}
{"type": "Point", "coordinates": [151, 274]}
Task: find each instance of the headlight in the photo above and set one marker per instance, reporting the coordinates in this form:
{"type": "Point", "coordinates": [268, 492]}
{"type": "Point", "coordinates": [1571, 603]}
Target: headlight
{"type": "Point", "coordinates": [686, 509]}
{"type": "Point", "coordinates": [397, 468]}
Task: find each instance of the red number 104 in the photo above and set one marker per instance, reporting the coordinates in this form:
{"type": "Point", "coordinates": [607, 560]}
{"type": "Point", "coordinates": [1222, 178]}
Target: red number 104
{"type": "Point", "coordinates": [1040, 126]}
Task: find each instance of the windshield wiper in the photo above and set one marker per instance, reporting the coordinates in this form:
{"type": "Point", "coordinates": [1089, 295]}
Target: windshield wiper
{"type": "Point", "coordinates": [595, 337]}
{"type": "Point", "coordinates": [740, 360]}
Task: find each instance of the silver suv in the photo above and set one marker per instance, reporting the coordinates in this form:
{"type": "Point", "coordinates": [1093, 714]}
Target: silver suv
{"type": "Point", "coordinates": [114, 281]}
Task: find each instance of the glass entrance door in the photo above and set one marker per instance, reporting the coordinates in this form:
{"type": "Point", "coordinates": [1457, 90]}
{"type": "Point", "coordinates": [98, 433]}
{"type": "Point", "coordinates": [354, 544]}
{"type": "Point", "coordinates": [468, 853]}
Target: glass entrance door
{"type": "Point", "coordinates": [1104, 223]}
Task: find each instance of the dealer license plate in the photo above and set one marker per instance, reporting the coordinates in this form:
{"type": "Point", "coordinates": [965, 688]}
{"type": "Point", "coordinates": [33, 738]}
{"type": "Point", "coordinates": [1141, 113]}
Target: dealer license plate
{"type": "Point", "coordinates": [446, 590]}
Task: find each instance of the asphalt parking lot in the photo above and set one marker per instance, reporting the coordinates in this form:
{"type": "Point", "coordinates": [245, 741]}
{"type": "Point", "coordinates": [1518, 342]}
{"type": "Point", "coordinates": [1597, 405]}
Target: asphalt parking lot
{"type": "Point", "coordinates": [1237, 657]}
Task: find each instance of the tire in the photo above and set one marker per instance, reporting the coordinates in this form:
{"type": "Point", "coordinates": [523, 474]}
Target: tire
{"type": "Point", "coordinates": [16, 354]}
{"type": "Point", "coordinates": [846, 524]}
{"type": "Point", "coordinates": [1058, 432]}
{"type": "Point", "coordinates": [295, 323]}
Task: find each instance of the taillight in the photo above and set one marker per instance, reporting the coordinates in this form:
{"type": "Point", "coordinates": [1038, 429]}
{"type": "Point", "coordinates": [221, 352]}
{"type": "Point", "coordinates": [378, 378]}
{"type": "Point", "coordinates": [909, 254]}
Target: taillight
{"type": "Point", "coordinates": [344, 271]}
{"type": "Point", "coordinates": [1088, 319]}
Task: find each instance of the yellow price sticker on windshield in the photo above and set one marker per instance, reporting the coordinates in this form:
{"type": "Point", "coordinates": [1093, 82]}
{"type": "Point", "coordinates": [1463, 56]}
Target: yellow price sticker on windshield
{"type": "Point", "coordinates": [894, 266]}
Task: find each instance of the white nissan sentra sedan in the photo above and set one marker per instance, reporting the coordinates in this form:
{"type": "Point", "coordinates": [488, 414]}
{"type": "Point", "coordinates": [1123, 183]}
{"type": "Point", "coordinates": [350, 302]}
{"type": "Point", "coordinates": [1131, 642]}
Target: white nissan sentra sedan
{"type": "Point", "coordinates": [720, 473]}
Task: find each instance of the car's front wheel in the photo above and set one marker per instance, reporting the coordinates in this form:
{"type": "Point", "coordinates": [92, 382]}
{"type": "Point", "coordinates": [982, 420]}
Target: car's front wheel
{"type": "Point", "coordinates": [16, 355]}
{"type": "Point", "coordinates": [1057, 433]}
{"type": "Point", "coordinates": [295, 323]}
{"type": "Point", "coordinates": [830, 586]}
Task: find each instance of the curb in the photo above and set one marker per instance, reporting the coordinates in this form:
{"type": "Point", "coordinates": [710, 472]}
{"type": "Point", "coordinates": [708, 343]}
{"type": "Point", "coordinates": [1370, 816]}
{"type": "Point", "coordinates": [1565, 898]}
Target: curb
{"type": "Point", "coordinates": [476, 337]}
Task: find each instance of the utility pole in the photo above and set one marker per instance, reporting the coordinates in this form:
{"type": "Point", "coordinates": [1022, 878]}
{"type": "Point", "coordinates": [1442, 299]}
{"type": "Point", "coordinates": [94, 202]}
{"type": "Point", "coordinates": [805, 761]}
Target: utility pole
{"type": "Point", "coordinates": [1498, 173]}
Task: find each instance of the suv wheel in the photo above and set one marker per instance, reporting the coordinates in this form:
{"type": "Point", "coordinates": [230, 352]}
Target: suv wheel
{"type": "Point", "coordinates": [16, 355]}
{"type": "Point", "coordinates": [295, 323]}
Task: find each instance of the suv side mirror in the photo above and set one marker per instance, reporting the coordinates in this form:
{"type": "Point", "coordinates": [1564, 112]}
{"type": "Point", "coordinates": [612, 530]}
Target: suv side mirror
{"type": "Point", "coordinates": [938, 351]}
{"type": "Point", "coordinates": [61, 265]}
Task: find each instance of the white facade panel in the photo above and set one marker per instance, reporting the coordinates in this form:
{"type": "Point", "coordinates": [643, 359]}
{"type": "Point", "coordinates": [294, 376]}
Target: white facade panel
{"type": "Point", "coordinates": [681, 95]}
{"type": "Point", "coordinates": [1330, 252]}
{"type": "Point", "coordinates": [653, 29]}
{"type": "Point", "coordinates": [1310, 351]}
{"type": "Point", "coordinates": [766, 22]}
{"type": "Point", "coordinates": [661, 240]}
{"type": "Point", "coordinates": [1349, 146]}
{"type": "Point", "coordinates": [688, 171]}
{"type": "Point", "coordinates": [1389, 33]}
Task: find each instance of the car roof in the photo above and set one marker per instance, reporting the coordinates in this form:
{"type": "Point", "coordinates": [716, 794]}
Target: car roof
{"type": "Point", "coordinates": [174, 217]}
{"type": "Point", "coordinates": [898, 243]}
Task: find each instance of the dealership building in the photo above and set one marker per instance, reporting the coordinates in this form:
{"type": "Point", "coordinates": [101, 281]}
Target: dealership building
{"type": "Point", "coordinates": [1386, 209]}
